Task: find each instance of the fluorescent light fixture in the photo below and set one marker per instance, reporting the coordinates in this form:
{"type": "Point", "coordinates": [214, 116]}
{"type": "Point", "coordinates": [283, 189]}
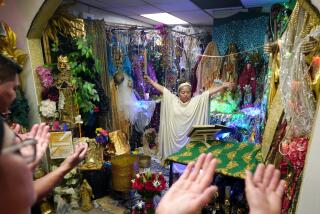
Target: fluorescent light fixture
{"type": "Point", "coordinates": [165, 18]}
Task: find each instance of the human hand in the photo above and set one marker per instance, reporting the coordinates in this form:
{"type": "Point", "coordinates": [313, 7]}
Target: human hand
{"type": "Point", "coordinates": [147, 78]}
{"type": "Point", "coordinates": [192, 190]}
{"type": "Point", "coordinates": [41, 134]}
{"type": "Point", "coordinates": [76, 157]}
{"type": "Point", "coordinates": [229, 85]}
{"type": "Point", "coordinates": [264, 190]}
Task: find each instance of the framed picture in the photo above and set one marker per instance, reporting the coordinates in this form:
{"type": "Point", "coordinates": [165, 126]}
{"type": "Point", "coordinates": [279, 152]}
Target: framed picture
{"type": "Point", "coordinates": [60, 145]}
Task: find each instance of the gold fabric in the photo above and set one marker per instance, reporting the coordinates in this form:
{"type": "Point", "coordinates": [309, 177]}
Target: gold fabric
{"type": "Point", "coordinates": [274, 64]}
{"type": "Point", "coordinates": [118, 120]}
{"type": "Point", "coordinates": [276, 111]}
{"type": "Point", "coordinates": [96, 30]}
{"type": "Point", "coordinates": [233, 158]}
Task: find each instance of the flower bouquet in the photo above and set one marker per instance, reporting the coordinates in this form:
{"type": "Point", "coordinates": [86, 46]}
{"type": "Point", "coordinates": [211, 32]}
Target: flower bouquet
{"type": "Point", "coordinates": [102, 136]}
{"type": "Point", "coordinates": [148, 184]}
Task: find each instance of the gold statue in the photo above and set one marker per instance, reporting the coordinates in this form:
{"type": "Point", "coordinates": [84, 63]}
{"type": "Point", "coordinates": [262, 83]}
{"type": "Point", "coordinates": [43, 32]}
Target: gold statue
{"type": "Point", "coordinates": [65, 72]}
{"type": "Point", "coordinates": [86, 195]}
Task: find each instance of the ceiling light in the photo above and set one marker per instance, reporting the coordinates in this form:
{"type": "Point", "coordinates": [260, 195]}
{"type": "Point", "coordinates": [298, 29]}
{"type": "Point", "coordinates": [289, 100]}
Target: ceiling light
{"type": "Point", "coordinates": [165, 18]}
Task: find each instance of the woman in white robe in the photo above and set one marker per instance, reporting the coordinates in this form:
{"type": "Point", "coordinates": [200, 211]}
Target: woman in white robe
{"type": "Point", "coordinates": [179, 114]}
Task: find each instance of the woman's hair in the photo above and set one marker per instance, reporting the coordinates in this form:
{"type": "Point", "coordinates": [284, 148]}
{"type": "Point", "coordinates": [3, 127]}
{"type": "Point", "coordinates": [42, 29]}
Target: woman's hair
{"type": "Point", "coordinates": [8, 69]}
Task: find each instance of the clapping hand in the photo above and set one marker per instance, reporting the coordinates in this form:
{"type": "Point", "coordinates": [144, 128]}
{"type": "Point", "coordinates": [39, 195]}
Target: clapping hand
{"type": "Point", "coordinates": [39, 132]}
{"type": "Point", "coordinates": [192, 190]}
{"type": "Point", "coordinates": [264, 190]}
{"type": "Point", "coordinates": [76, 157]}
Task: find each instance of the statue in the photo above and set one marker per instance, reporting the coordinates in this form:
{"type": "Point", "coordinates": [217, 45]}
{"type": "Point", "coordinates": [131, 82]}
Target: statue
{"type": "Point", "coordinates": [229, 65]}
{"type": "Point", "coordinates": [86, 195]}
{"type": "Point", "coordinates": [248, 77]}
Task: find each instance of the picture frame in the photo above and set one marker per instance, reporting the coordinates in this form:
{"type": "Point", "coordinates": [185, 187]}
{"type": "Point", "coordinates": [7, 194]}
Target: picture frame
{"type": "Point", "coordinates": [60, 145]}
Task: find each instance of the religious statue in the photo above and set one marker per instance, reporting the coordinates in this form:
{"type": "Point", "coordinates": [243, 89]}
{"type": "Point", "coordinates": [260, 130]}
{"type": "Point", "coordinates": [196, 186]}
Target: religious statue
{"type": "Point", "coordinates": [248, 77]}
{"type": "Point", "coordinates": [86, 196]}
{"type": "Point", "coordinates": [64, 76]}
{"type": "Point", "coordinates": [230, 64]}
{"type": "Point", "coordinates": [208, 69]}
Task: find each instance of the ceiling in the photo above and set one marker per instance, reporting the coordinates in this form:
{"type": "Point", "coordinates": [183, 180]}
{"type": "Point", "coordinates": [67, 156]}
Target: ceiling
{"type": "Point", "coordinates": [195, 12]}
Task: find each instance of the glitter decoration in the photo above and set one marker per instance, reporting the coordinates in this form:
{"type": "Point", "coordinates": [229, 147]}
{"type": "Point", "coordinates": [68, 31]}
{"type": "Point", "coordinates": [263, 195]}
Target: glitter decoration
{"type": "Point", "coordinates": [247, 33]}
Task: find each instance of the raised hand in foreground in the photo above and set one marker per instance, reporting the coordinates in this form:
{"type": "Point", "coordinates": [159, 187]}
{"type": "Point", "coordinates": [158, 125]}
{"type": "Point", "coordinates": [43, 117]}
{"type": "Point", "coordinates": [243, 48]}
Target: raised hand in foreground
{"type": "Point", "coordinates": [264, 190]}
{"type": "Point", "coordinates": [192, 190]}
{"type": "Point", "coordinates": [39, 132]}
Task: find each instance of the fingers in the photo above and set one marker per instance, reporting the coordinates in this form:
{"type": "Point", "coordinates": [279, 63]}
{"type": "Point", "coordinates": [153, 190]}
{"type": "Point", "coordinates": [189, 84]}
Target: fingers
{"type": "Point", "coordinates": [249, 181]}
{"type": "Point", "coordinates": [268, 175]}
{"type": "Point", "coordinates": [83, 151]}
{"type": "Point", "coordinates": [195, 173]}
{"type": "Point", "coordinates": [258, 174]}
{"type": "Point", "coordinates": [204, 167]}
{"type": "Point", "coordinates": [275, 179]}
{"type": "Point", "coordinates": [33, 131]}
{"type": "Point", "coordinates": [17, 128]}
{"type": "Point", "coordinates": [186, 173]}
{"type": "Point", "coordinates": [207, 175]}
{"type": "Point", "coordinates": [280, 189]}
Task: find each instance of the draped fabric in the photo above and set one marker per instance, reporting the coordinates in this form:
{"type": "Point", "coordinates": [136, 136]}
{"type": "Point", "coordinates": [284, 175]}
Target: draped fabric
{"type": "Point", "coordinates": [234, 158]}
{"type": "Point", "coordinates": [96, 33]}
{"type": "Point", "coordinates": [177, 119]}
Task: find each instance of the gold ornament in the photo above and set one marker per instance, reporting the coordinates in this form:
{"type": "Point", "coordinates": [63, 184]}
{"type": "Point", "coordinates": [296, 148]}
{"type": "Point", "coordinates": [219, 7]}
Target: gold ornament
{"type": "Point", "coordinates": [8, 42]}
{"type": "Point", "coordinates": [86, 195]}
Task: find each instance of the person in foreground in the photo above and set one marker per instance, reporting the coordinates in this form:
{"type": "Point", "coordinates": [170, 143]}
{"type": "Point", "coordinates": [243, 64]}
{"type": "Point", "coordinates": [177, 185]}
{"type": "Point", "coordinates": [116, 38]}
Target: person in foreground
{"type": "Point", "coordinates": [193, 189]}
{"type": "Point", "coordinates": [9, 82]}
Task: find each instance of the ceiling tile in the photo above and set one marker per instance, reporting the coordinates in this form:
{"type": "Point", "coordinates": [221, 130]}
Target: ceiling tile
{"type": "Point", "coordinates": [205, 4]}
{"type": "Point", "coordinates": [194, 17]}
{"type": "Point", "coordinates": [177, 6]}
{"type": "Point", "coordinates": [143, 19]}
{"type": "Point", "coordinates": [132, 11]}
{"type": "Point", "coordinates": [121, 3]}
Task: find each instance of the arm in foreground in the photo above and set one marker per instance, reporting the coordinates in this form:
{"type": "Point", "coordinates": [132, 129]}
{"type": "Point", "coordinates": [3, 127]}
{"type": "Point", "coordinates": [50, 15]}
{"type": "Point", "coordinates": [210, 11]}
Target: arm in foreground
{"type": "Point", "coordinates": [45, 185]}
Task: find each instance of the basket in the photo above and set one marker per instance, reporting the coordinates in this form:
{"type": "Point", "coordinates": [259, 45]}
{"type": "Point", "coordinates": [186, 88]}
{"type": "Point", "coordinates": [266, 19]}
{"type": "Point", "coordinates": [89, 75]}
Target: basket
{"type": "Point", "coordinates": [122, 172]}
{"type": "Point", "coordinates": [144, 161]}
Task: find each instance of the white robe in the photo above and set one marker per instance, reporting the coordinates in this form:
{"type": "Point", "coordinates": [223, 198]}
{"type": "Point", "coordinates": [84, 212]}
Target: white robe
{"type": "Point", "coordinates": [177, 118]}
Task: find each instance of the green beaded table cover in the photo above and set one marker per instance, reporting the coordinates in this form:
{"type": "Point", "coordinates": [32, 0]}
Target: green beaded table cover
{"type": "Point", "coordinates": [233, 158]}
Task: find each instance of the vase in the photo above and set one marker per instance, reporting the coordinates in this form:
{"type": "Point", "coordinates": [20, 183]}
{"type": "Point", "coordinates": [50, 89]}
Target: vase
{"type": "Point", "coordinates": [149, 206]}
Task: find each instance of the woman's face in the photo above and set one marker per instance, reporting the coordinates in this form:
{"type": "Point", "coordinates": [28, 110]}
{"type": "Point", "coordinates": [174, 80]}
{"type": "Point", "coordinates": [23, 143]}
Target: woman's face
{"type": "Point", "coordinates": [17, 193]}
{"type": "Point", "coordinates": [185, 94]}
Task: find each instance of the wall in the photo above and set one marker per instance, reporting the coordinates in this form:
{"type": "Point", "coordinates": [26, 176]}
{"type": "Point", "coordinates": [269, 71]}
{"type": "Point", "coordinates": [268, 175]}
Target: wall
{"type": "Point", "coordinates": [247, 30]}
{"type": "Point", "coordinates": [18, 14]}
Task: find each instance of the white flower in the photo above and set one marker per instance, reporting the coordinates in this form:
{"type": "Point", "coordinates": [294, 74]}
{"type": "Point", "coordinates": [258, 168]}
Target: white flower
{"type": "Point", "coordinates": [156, 183]}
{"type": "Point", "coordinates": [48, 108]}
